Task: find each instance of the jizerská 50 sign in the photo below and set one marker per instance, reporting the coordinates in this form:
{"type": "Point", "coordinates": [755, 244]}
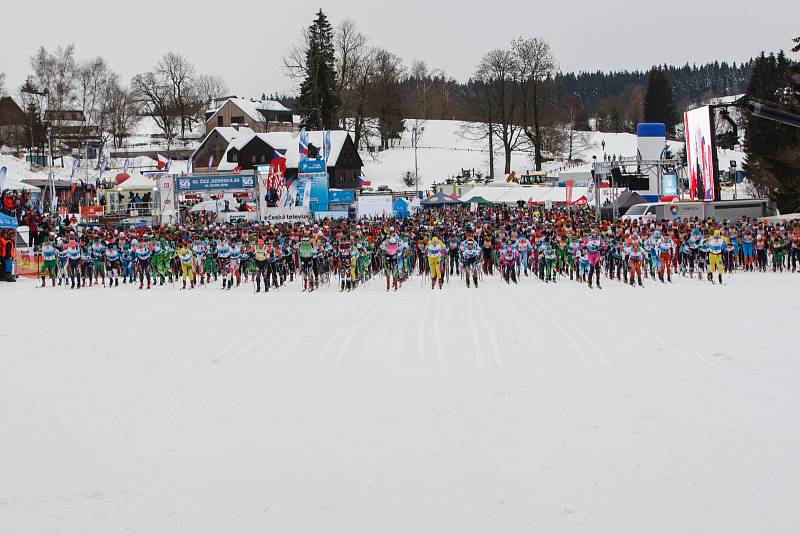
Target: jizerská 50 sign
{"type": "Point", "coordinates": [215, 182]}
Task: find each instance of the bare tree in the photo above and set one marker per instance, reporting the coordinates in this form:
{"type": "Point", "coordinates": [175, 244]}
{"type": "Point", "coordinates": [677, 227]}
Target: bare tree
{"type": "Point", "coordinates": [55, 74]}
{"type": "Point", "coordinates": [180, 74]}
{"type": "Point", "coordinates": [293, 62]}
{"type": "Point", "coordinates": [497, 74]}
{"type": "Point", "coordinates": [201, 93]}
{"type": "Point", "coordinates": [121, 112]}
{"type": "Point", "coordinates": [154, 91]}
{"type": "Point", "coordinates": [92, 79]}
{"type": "Point", "coordinates": [536, 65]}
{"type": "Point", "coordinates": [423, 78]}
{"type": "Point", "coordinates": [351, 47]}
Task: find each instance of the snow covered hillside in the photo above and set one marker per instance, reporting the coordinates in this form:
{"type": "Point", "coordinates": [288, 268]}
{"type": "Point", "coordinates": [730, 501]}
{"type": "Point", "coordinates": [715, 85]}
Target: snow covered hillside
{"type": "Point", "coordinates": [502, 410]}
{"type": "Point", "coordinates": [443, 151]}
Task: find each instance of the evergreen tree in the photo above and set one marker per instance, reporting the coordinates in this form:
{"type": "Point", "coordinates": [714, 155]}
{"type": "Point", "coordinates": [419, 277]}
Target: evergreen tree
{"type": "Point", "coordinates": [317, 103]}
{"type": "Point", "coordinates": [773, 149]}
{"type": "Point", "coordinates": [659, 102]}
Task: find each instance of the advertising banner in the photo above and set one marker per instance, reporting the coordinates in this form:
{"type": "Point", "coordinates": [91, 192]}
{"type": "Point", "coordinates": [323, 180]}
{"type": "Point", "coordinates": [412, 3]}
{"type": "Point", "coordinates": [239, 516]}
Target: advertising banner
{"type": "Point", "coordinates": [700, 154]}
{"type": "Point", "coordinates": [375, 206]}
{"type": "Point", "coordinates": [312, 166]}
{"type": "Point", "coordinates": [166, 194]}
{"type": "Point", "coordinates": [341, 196]}
{"type": "Point", "coordinates": [91, 212]}
{"type": "Point", "coordinates": [286, 215]}
{"type": "Point", "coordinates": [213, 182]}
{"type": "Point", "coordinates": [236, 216]}
{"type": "Point", "coordinates": [669, 185]}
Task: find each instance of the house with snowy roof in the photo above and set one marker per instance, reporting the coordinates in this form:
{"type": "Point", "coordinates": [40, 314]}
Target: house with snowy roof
{"type": "Point", "coordinates": [247, 152]}
{"type": "Point", "coordinates": [212, 149]}
{"type": "Point", "coordinates": [261, 116]}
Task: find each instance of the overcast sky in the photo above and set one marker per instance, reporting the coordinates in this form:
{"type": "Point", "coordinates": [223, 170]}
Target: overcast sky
{"type": "Point", "coordinates": [243, 41]}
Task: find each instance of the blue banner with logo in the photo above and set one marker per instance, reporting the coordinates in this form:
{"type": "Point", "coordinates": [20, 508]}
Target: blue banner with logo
{"type": "Point", "coordinates": [341, 196]}
{"type": "Point", "coordinates": [215, 182]}
{"type": "Point", "coordinates": [312, 166]}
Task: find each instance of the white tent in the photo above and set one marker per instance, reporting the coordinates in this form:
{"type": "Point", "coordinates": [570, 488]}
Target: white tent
{"type": "Point", "coordinates": [16, 185]}
{"type": "Point", "coordinates": [137, 182]}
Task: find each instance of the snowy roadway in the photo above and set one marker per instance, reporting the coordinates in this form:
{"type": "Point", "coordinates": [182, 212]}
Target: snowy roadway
{"type": "Point", "coordinates": [503, 410]}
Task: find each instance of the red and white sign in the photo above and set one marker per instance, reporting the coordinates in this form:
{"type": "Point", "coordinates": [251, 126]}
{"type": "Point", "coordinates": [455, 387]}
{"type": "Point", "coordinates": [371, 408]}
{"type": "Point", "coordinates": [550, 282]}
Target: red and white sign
{"type": "Point", "coordinates": [91, 212]}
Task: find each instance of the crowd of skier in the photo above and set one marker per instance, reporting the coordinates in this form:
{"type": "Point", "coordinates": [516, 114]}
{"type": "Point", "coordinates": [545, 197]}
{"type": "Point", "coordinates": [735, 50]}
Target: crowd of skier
{"type": "Point", "coordinates": [436, 246]}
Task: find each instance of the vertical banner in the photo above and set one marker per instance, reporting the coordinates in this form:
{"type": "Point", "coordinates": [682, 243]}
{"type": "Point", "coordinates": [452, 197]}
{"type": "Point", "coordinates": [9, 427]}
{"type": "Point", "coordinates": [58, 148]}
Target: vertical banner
{"type": "Point", "coordinates": [3, 172]}
{"type": "Point", "coordinates": [303, 145]}
{"type": "Point", "coordinates": [326, 146]}
{"type": "Point", "coordinates": [570, 185]}
{"type": "Point", "coordinates": [166, 194]}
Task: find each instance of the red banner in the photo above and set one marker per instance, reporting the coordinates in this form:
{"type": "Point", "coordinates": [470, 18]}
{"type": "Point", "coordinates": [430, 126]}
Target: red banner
{"type": "Point", "coordinates": [570, 184]}
{"type": "Point", "coordinates": [91, 212]}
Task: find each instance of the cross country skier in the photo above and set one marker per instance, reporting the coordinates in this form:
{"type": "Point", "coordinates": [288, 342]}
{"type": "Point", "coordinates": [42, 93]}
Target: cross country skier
{"type": "Point", "coordinates": [470, 252]}
{"type": "Point", "coordinates": [74, 259]}
{"type": "Point", "coordinates": [392, 254]}
{"type": "Point", "coordinates": [508, 262]}
{"type": "Point", "coordinates": [715, 248]}
{"type": "Point", "coordinates": [435, 253]}
{"type": "Point", "coordinates": [114, 264]}
{"type": "Point", "coordinates": [306, 250]}
{"type": "Point", "coordinates": [49, 265]}
{"type": "Point", "coordinates": [144, 255]}
{"type": "Point", "coordinates": [594, 246]}
{"type": "Point", "coordinates": [636, 255]}
{"type": "Point", "coordinates": [187, 259]}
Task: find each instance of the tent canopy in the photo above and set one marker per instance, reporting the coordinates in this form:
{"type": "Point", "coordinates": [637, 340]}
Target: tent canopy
{"type": "Point", "coordinates": [626, 199]}
{"type": "Point", "coordinates": [440, 199]}
{"type": "Point", "coordinates": [479, 200]}
{"type": "Point", "coordinates": [137, 182]}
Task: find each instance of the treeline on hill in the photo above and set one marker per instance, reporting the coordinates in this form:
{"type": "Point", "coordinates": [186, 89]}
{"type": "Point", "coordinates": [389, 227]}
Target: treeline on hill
{"type": "Point", "coordinates": [516, 99]}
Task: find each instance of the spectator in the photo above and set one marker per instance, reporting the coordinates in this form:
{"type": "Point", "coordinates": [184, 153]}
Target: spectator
{"type": "Point", "coordinates": [7, 245]}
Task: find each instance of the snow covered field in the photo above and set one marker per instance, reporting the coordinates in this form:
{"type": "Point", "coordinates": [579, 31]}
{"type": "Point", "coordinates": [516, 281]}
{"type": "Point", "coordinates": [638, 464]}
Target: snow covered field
{"type": "Point", "coordinates": [507, 409]}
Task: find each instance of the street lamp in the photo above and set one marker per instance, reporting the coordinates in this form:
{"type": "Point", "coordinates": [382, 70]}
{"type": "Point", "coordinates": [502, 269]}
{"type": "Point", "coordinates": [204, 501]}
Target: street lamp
{"type": "Point", "coordinates": [416, 132]}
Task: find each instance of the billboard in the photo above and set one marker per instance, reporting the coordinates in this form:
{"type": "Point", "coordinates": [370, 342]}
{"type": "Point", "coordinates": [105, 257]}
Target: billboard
{"type": "Point", "coordinates": [701, 154]}
{"type": "Point", "coordinates": [214, 182]}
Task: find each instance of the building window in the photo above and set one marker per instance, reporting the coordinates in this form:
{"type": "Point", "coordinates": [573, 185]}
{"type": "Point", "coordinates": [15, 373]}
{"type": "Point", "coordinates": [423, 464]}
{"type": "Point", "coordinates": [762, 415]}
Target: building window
{"type": "Point", "coordinates": [253, 159]}
{"type": "Point", "coordinates": [237, 120]}
{"type": "Point", "coordinates": [220, 121]}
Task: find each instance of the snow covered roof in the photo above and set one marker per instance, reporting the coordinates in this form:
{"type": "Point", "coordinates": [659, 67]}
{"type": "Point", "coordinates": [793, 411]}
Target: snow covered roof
{"type": "Point", "coordinates": [252, 108]}
{"type": "Point", "coordinates": [229, 132]}
{"type": "Point", "coordinates": [277, 140]}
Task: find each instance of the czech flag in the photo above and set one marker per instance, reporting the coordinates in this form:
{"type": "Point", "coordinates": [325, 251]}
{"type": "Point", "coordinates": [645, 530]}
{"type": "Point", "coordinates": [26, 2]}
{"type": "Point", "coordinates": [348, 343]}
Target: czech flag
{"type": "Point", "coordinates": [163, 162]}
{"type": "Point", "coordinates": [364, 183]}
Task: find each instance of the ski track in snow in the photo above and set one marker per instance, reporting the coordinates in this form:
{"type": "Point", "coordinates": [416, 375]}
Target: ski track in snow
{"type": "Point", "coordinates": [360, 323]}
{"type": "Point", "coordinates": [422, 328]}
{"type": "Point", "coordinates": [570, 339]}
{"type": "Point", "coordinates": [336, 335]}
{"type": "Point", "coordinates": [580, 333]}
{"type": "Point", "coordinates": [263, 333]}
{"type": "Point", "coordinates": [476, 345]}
{"type": "Point", "coordinates": [437, 327]}
{"type": "Point", "coordinates": [496, 355]}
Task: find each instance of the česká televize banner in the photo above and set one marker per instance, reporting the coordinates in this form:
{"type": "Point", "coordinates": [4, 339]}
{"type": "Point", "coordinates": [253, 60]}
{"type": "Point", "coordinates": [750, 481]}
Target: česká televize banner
{"type": "Point", "coordinates": [286, 215]}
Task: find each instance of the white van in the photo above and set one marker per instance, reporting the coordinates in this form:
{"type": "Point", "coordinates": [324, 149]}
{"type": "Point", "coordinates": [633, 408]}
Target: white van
{"type": "Point", "coordinates": [719, 210]}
